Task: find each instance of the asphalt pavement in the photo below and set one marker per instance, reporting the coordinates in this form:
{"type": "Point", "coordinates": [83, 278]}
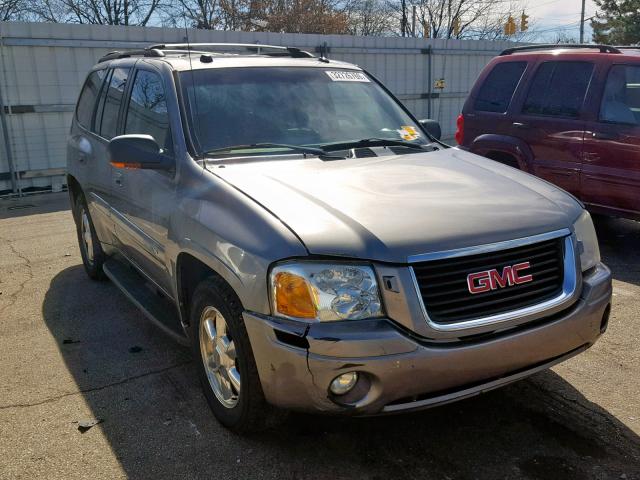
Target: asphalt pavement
{"type": "Point", "coordinates": [90, 389]}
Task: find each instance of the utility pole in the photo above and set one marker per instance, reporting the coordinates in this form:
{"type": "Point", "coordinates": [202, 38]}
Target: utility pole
{"type": "Point", "coordinates": [413, 22]}
{"type": "Point", "coordinates": [403, 22]}
{"type": "Point", "coordinates": [582, 23]}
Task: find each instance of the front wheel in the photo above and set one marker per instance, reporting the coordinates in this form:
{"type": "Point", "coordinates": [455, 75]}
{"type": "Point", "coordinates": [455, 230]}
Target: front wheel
{"type": "Point", "coordinates": [226, 366]}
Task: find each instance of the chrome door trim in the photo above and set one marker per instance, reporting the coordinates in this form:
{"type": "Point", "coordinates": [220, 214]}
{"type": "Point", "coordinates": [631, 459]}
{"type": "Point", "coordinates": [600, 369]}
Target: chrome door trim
{"type": "Point", "coordinates": [569, 285]}
{"type": "Point", "coordinates": [100, 202]}
{"type": "Point", "coordinates": [147, 242]}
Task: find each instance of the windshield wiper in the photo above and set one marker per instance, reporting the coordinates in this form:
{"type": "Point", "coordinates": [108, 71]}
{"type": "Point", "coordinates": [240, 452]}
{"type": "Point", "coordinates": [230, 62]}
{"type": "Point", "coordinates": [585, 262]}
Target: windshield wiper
{"type": "Point", "coordinates": [320, 152]}
{"type": "Point", "coordinates": [370, 142]}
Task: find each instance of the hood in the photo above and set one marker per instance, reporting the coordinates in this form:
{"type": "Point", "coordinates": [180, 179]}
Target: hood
{"type": "Point", "coordinates": [389, 208]}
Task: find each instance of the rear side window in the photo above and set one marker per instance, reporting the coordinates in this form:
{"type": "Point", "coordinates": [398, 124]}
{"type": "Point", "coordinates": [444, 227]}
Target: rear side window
{"type": "Point", "coordinates": [558, 89]}
{"type": "Point", "coordinates": [87, 100]}
{"type": "Point", "coordinates": [621, 98]}
{"type": "Point", "coordinates": [109, 107]}
{"type": "Point", "coordinates": [147, 112]}
{"type": "Point", "coordinates": [498, 88]}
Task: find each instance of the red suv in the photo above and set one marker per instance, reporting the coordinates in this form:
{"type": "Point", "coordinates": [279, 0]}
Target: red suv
{"type": "Point", "coordinates": [568, 114]}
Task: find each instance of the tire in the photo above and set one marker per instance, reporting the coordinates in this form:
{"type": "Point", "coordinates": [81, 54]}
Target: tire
{"type": "Point", "coordinates": [90, 249]}
{"type": "Point", "coordinates": [242, 409]}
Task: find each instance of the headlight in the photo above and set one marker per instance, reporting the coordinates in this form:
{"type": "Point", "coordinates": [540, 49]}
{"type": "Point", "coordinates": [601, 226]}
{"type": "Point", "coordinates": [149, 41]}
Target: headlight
{"type": "Point", "coordinates": [587, 241]}
{"type": "Point", "coordinates": [324, 292]}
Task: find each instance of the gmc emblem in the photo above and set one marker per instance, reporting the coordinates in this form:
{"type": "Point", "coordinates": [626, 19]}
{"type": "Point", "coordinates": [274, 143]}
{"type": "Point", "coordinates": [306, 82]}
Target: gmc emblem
{"type": "Point", "coordinates": [492, 280]}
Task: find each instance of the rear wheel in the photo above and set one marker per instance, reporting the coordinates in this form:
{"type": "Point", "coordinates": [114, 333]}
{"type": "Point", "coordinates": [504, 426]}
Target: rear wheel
{"type": "Point", "coordinates": [90, 248]}
{"type": "Point", "coordinates": [226, 366]}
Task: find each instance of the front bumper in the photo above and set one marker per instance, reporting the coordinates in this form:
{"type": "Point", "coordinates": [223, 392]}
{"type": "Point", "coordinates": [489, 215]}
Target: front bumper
{"type": "Point", "coordinates": [297, 361]}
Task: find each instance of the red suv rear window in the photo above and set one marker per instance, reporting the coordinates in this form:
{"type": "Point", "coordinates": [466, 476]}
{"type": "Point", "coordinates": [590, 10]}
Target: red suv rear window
{"type": "Point", "coordinates": [497, 90]}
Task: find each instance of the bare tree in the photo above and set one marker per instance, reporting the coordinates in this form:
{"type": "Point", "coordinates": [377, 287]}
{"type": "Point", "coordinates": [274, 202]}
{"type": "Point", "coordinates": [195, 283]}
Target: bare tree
{"type": "Point", "coordinates": [99, 12]}
{"type": "Point", "coordinates": [53, 11]}
{"type": "Point", "coordinates": [470, 19]}
{"type": "Point", "coordinates": [565, 38]}
{"type": "Point", "coordinates": [305, 16]}
{"type": "Point", "coordinates": [368, 17]}
{"type": "Point", "coordinates": [204, 14]}
{"type": "Point", "coordinates": [291, 16]}
{"type": "Point", "coordinates": [11, 10]}
{"type": "Point", "coordinates": [235, 14]}
{"type": "Point", "coordinates": [491, 26]}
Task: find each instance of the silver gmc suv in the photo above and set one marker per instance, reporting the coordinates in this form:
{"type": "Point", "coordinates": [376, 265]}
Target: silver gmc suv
{"type": "Point", "coordinates": [314, 243]}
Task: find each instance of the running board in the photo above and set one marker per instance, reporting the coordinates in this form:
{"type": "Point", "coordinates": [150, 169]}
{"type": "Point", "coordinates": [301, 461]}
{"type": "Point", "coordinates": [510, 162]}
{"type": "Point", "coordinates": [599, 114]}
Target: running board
{"type": "Point", "coordinates": [157, 308]}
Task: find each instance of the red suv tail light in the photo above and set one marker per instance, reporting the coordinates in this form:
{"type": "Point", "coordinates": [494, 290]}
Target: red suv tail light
{"type": "Point", "coordinates": [460, 129]}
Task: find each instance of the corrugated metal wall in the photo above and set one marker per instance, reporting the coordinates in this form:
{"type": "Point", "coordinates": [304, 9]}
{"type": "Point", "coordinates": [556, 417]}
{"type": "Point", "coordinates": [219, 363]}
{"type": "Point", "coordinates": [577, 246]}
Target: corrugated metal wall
{"type": "Point", "coordinates": [42, 67]}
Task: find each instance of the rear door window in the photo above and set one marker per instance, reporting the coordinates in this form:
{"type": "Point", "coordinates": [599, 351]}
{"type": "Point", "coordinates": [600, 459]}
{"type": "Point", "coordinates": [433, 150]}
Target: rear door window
{"type": "Point", "coordinates": [497, 90]}
{"type": "Point", "coordinates": [109, 107]}
{"type": "Point", "coordinates": [100, 108]}
{"type": "Point", "coordinates": [558, 89]}
{"type": "Point", "coordinates": [87, 100]}
{"type": "Point", "coordinates": [147, 112]}
{"type": "Point", "coordinates": [621, 98]}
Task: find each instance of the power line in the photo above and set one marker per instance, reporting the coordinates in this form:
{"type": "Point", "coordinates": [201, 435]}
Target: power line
{"type": "Point", "coordinates": [538, 5]}
{"type": "Point", "coordinates": [559, 28]}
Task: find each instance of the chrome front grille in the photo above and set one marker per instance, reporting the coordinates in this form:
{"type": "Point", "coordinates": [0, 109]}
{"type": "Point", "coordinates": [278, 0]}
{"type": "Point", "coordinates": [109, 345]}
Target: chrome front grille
{"type": "Point", "coordinates": [443, 284]}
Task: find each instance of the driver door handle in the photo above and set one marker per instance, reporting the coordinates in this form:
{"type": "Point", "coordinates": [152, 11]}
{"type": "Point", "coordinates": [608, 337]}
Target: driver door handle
{"type": "Point", "coordinates": [118, 179]}
{"type": "Point", "coordinates": [520, 125]}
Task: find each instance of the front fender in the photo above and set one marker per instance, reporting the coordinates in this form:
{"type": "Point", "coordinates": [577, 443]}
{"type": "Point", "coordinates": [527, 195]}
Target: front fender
{"type": "Point", "coordinates": [231, 234]}
{"type": "Point", "coordinates": [488, 143]}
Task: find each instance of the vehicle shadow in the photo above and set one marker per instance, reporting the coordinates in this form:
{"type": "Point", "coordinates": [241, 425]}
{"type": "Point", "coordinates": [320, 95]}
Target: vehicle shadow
{"type": "Point", "coordinates": [619, 239]}
{"type": "Point", "coordinates": [143, 387]}
{"type": "Point", "coordinates": [25, 206]}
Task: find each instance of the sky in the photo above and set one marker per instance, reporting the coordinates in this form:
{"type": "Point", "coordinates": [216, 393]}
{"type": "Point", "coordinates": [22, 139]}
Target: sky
{"type": "Point", "coordinates": [549, 17]}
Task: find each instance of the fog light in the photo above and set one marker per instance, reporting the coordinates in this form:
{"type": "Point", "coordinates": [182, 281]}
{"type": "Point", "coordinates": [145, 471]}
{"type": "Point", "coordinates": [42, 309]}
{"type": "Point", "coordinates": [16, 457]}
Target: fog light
{"type": "Point", "coordinates": [343, 383]}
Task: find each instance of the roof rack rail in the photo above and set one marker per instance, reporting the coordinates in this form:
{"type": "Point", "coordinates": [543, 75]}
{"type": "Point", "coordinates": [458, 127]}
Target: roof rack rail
{"type": "Point", "coordinates": [628, 47]}
{"type": "Point", "coordinates": [161, 50]}
{"type": "Point", "coordinates": [147, 52]}
{"type": "Point", "coordinates": [554, 46]}
{"type": "Point", "coordinates": [258, 48]}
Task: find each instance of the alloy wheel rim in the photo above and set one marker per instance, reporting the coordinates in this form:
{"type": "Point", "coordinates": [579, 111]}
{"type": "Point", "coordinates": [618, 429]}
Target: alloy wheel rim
{"type": "Point", "coordinates": [87, 239]}
{"type": "Point", "coordinates": [219, 357]}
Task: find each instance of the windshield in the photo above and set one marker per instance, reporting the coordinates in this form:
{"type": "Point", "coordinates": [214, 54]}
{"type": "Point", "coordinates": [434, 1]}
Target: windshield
{"type": "Point", "coordinates": [293, 106]}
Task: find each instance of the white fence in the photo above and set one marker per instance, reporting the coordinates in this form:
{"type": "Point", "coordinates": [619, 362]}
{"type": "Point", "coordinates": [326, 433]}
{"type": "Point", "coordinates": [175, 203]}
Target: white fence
{"type": "Point", "coordinates": [42, 67]}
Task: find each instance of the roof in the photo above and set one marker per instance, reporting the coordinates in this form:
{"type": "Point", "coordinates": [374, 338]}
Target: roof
{"type": "Point", "coordinates": [193, 62]}
{"type": "Point", "coordinates": [572, 49]}
{"type": "Point", "coordinates": [630, 50]}
{"type": "Point", "coordinates": [199, 56]}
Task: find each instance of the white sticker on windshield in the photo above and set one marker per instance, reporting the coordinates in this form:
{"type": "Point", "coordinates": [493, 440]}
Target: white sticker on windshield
{"type": "Point", "coordinates": [345, 76]}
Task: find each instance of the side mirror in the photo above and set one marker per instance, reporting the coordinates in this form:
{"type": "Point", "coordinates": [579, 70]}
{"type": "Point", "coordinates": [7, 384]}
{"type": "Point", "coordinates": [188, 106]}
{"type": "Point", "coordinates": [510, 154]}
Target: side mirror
{"type": "Point", "coordinates": [432, 127]}
{"type": "Point", "coordinates": [137, 152]}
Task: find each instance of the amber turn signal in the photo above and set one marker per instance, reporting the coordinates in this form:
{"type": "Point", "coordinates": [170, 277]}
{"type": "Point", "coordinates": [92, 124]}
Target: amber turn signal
{"type": "Point", "coordinates": [129, 166]}
{"type": "Point", "coordinates": [293, 296]}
